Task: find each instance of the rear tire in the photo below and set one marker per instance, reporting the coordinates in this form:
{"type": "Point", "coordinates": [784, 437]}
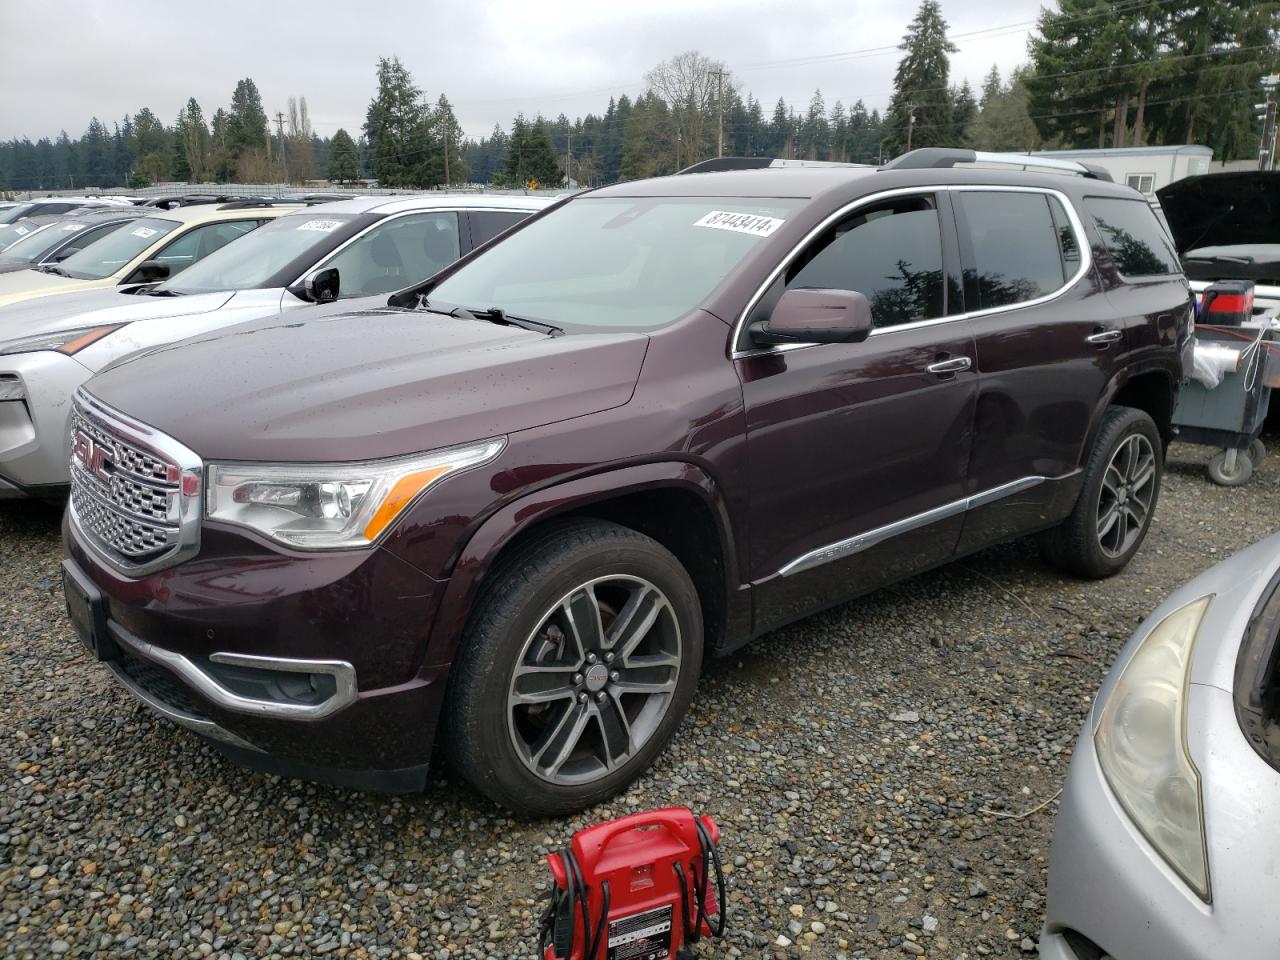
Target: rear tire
{"type": "Point", "coordinates": [1113, 512]}
{"type": "Point", "coordinates": [580, 659]}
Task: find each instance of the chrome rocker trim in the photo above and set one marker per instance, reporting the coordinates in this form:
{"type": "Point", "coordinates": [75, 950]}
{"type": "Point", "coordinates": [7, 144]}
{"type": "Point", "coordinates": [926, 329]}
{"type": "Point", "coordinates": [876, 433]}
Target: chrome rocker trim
{"type": "Point", "coordinates": [864, 541]}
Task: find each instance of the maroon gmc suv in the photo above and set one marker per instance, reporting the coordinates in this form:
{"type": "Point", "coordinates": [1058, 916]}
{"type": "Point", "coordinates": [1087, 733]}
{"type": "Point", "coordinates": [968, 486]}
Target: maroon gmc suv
{"type": "Point", "coordinates": [512, 512]}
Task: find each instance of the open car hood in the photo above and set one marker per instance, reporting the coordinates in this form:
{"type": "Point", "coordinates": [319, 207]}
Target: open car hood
{"type": "Point", "coordinates": [1221, 209]}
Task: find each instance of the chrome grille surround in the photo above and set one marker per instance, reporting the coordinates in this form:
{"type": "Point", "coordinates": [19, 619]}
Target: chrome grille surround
{"type": "Point", "coordinates": [135, 493]}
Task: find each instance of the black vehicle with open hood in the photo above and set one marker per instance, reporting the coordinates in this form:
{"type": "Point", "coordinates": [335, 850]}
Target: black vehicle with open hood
{"type": "Point", "coordinates": [1226, 225]}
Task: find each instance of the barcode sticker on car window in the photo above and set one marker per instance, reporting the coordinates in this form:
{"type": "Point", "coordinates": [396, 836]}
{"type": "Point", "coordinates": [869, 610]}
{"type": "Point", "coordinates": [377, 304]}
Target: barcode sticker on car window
{"type": "Point", "coordinates": [324, 226]}
{"type": "Point", "coordinates": [21, 231]}
{"type": "Point", "coordinates": [750, 223]}
{"type": "Point", "coordinates": [144, 232]}
{"type": "Point", "coordinates": [73, 227]}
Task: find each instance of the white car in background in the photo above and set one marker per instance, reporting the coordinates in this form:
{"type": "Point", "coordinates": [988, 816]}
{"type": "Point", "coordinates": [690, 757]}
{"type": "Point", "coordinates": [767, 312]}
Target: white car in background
{"type": "Point", "coordinates": [342, 250]}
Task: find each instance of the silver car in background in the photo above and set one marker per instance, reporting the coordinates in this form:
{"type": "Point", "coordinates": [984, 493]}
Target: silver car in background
{"type": "Point", "coordinates": [1167, 842]}
{"type": "Point", "coordinates": [366, 247]}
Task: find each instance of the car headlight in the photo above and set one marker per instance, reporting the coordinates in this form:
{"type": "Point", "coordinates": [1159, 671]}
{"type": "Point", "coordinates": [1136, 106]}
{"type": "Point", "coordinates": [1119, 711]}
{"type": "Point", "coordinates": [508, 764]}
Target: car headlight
{"type": "Point", "coordinates": [1142, 747]}
{"type": "Point", "coordinates": [332, 506]}
{"type": "Point", "coordinates": [63, 341]}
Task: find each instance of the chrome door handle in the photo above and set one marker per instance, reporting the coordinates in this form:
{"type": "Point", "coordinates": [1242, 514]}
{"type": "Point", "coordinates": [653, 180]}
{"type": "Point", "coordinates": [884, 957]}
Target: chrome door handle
{"type": "Point", "coordinates": [1104, 337]}
{"type": "Point", "coordinates": [954, 365]}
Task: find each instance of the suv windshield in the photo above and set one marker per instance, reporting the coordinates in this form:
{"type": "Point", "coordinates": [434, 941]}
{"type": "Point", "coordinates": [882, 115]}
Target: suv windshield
{"type": "Point", "coordinates": [104, 257]}
{"type": "Point", "coordinates": [620, 263]}
{"type": "Point", "coordinates": [255, 259]}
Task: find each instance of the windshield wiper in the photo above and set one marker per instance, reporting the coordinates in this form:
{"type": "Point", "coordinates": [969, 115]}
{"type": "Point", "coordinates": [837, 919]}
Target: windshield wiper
{"type": "Point", "coordinates": [500, 316]}
{"type": "Point", "coordinates": [50, 268]}
{"type": "Point", "coordinates": [157, 292]}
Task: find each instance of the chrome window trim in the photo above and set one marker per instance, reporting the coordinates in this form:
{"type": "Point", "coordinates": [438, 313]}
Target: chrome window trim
{"type": "Point", "coordinates": [150, 439]}
{"type": "Point", "coordinates": [319, 264]}
{"type": "Point", "coordinates": [343, 673]}
{"type": "Point", "coordinates": [1086, 262]}
{"type": "Point", "coordinates": [869, 538]}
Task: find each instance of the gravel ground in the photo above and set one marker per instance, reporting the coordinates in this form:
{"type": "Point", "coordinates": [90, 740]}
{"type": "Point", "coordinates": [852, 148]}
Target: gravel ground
{"type": "Point", "coordinates": [851, 759]}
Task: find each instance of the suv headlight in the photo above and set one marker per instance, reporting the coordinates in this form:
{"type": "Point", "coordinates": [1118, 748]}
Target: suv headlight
{"type": "Point", "coordinates": [332, 506]}
{"type": "Point", "coordinates": [63, 341]}
{"type": "Point", "coordinates": [1142, 747]}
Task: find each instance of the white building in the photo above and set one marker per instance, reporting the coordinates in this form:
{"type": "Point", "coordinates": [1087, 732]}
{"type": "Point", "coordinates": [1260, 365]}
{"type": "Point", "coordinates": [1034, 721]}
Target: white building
{"type": "Point", "coordinates": [1143, 168]}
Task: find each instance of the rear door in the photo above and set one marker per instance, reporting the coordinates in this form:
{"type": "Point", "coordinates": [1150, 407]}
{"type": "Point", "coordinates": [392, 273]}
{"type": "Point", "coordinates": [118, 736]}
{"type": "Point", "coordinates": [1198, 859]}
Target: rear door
{"type": "Point", "coordinates": [1048, 342]}
{"type": "Point", "coordinates": [857, 452]}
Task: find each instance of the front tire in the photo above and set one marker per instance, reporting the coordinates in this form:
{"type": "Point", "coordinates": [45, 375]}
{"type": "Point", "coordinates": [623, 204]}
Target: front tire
{"type": "Point", "coordinates": [1113, 512]}
{"type": "Point", "coordinates": [579, 661]}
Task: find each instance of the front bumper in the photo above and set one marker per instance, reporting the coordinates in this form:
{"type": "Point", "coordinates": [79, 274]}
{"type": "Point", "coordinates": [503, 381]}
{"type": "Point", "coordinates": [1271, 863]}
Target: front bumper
{"type": "Point", "coordinates": [33, 430]}
{"type": "Point", "coordinates": [1107, 883]}
{"type": "Point", "coordinates": [313, 665]}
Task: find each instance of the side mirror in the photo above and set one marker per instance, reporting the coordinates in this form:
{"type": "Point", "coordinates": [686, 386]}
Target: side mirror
{"type": "Point", "coordinates": [319, 287]}
{"type": "Point", "coordinates": [149, 271]}
{"type": "Point", "coordinates": [815, 316]}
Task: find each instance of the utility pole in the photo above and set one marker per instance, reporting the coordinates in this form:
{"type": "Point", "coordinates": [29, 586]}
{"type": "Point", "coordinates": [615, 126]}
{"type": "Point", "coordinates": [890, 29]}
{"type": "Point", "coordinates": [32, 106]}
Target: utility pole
{"type": "Point", "coordinates": [911, 123]}
{"type": "Point", "coordinates": [568, 157]}
{"type": "Point", "coordinates": [719, 75]}
{"type": "Point", "coordinates": [1267, 145]}
{"type": "Point", "coordinates": [284, 166]}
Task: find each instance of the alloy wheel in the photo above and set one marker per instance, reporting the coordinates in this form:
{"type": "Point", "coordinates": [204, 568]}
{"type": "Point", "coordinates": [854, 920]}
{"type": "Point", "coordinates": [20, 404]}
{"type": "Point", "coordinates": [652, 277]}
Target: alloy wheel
{"type": "Point", "coordinates": [594, 680]}
{"type": "Point", "coordinates": [1124, 500]}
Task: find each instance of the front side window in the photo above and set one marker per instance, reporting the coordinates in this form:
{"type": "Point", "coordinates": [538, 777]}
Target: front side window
{"type": "Point", "coordinates": [101, 259]}
{"type": "Point", "coordinates": [258, 259]}
{"type": "Point", "coordinates": [617, 263]}
{"type": "Point", "coordinates": [396, 254]}
{"type": "Point", "coordinates": [1138, 245]}
{"type": "Point", "coordinates": [198, 243]}
{"type": "Point", "coordinates": [1016, 245]}
{"type": "Point", "coordinates": [891, 253]}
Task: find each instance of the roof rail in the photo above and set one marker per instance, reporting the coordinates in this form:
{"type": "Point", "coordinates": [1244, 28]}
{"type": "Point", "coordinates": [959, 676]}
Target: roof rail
{"type": "Point", "coordinates": [942, 157]}
{"type": "Point", "coordinates": [259, 202]}
{"type": "Point", "coordinates": [720, 164]}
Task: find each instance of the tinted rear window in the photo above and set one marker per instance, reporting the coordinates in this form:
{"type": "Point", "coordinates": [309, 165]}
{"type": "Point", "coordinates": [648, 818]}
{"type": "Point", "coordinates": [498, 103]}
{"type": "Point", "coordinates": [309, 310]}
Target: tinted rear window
{"type": "Point", "coordinates": [487, 224]}
{"type": "Point", "coordinates": [1138, 245]}
{"type": "Point", "coordinates": [1015, 245]}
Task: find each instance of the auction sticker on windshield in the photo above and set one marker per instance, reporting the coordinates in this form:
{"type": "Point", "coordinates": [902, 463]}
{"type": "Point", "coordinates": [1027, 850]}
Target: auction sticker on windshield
{"type": "Point", "coordinates": [325, 226]}
{"type": "Point", "coordinates": [73, 227]}
{"type": "Point", "coordinates": [740, 223]}
{"type": "Point", "coordinates": [144, 232]}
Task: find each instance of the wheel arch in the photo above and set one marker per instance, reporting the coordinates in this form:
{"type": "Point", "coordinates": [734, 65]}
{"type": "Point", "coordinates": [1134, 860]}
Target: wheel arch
{"type": "Point", "coordinates": [676, 503]}
{"type": "Point", "coordinates": [1151, 388]}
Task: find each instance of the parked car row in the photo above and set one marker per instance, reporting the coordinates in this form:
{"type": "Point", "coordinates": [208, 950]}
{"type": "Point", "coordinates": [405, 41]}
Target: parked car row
{"type": "Point", "coordinates": [495, 476]}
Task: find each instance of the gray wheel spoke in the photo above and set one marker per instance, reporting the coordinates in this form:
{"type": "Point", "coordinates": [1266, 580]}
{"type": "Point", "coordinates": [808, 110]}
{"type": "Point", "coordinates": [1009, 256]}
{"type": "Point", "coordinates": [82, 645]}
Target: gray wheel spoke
{"type": "Point", "coordinates": [541, 684]}
{"type": "Point", "coordinates": [1108, 520]}
{"type": "Point", "coordinates": [634, 621]}
{"type": "Point", "coordinates": [650, 687]}
{"type": "Point", "coordinates": [615, 731]}
{"type": "Point", "coordinates": [1113, 479]}
{"type": "Point", "coordinates": [554, 749]}
{"type": "Point", "coordinates": [648, 661]}
{"type": "Point", "coordinates": [1144, 475]}
{"type": "Point", "coordinates": [582, 612]}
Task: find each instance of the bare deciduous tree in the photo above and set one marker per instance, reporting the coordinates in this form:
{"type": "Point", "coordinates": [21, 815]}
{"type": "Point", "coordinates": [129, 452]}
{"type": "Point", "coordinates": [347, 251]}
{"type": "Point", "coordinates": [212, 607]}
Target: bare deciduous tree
{"type": "Point", "coordinates": [690, 84]}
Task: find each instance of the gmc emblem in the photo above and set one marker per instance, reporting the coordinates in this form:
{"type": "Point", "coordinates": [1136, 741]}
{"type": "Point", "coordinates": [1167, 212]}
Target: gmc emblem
{"type": "Point", "coordinates": [90, 456]}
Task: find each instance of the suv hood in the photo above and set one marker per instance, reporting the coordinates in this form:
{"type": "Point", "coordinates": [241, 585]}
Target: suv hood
{"type": "Point", "coordinates": [366, 385]}
{"type": "Point", "coordinates": [94, 308]}
{"type": "Point", "coordinates": [1226, 210]}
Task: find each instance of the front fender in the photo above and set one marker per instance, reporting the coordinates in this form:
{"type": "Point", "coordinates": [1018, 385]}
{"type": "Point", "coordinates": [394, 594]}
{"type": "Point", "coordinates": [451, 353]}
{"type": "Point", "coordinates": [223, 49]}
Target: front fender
{"type": "Point", "coordinates": [487, 542]}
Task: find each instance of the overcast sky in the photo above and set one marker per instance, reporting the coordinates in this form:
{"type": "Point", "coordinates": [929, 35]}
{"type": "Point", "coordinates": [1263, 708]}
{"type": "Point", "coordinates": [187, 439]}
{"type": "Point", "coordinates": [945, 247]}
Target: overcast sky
{"type": "Point", "coordinates": [63, 61]}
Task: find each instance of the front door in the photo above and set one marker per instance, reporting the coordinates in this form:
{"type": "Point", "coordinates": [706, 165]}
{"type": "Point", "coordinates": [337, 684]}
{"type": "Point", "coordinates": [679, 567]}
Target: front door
{"type": "Point", "coordinates": [857, 453]}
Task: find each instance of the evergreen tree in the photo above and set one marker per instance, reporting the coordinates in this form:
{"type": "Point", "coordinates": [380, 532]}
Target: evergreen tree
{"type": "Point", "coordinates": [246, 123]}
{"type": "Point", "coordinates": [991, 87]}
{"type": "Point", "coordinates": [344, 158]}
{"type": "Point", "coordinates": [449, 132]}
{"type": "Point", "coordinates": [921, 112]}
{"type": "Point", "coordinates": [397, 127]}
{"type": "Point", "coordinates": [221, 165]}
{"type": "Point", "coordinates": [1004, 123]}
{"type": "Point", "coordinates": [191, 144]}
{"type": "Point", "coordinates": [963, 111]}
{"type": "Point", "coordinates": [814, 131]}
